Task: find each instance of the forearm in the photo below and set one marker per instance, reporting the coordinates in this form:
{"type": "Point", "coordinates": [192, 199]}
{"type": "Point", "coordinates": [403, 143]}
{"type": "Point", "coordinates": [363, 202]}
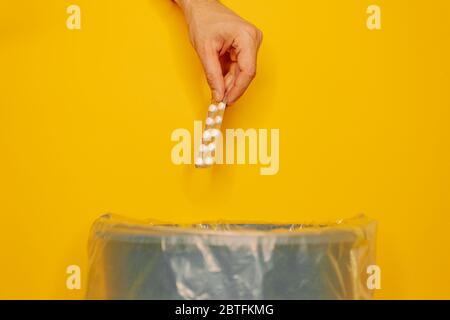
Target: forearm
{"type": "Point", "coordinates": [183, 3]}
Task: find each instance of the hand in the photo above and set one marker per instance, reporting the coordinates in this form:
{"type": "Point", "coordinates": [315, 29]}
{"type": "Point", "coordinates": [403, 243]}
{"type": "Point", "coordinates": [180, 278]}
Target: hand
{"type": "Point", "coordinates": [226, 44]}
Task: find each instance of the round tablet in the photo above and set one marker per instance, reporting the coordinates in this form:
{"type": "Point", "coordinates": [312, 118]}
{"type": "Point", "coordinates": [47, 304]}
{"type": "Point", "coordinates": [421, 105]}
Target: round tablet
{"type": "Point", "coordinates": [206, 135]}
{"type": "Point", "coordinates": [218, 119]}
{"type": "Point", "coordinates": [215, 132]}
{"type": "Point", "coordinates": [212, 108]}
{"type": "Point", "coordinates": [209, 121]}
{"type": "Point", "coordinates": [208, 161]}
{"type": "Point", "coordinates": [199, 161]}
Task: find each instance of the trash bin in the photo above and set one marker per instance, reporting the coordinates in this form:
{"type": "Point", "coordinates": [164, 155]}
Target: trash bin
{"type": "Point", "coordinates": [140, 260]}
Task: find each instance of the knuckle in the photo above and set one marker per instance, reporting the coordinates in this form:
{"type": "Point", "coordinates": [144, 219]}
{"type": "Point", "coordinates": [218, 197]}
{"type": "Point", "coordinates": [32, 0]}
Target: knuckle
{"type": "Point", "coordinates": [252, 31]}
{"type": "Point", "coordinates": [260, 35]}
{"type": "Point", "coordinates": [209, 77]}
{"type": "Point", "coordinates": [251, 72]}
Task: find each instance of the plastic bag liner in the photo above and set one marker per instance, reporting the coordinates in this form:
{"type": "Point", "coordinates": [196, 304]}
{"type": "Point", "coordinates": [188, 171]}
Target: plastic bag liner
{"type": "Point", "coordinates": [141, 260]}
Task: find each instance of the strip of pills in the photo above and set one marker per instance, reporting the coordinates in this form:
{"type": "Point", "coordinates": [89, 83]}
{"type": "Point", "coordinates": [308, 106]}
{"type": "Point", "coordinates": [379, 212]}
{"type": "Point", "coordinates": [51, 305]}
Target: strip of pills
{"type": "Point", "coordinates": [207, 150]}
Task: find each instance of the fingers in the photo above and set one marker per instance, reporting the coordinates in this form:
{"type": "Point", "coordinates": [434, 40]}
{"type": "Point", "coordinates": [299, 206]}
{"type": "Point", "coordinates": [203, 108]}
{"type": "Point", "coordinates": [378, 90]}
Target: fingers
{"type": "Point", "coordinates": [246, 71]}
{"type": "Point", "coordinates": [230, 77]}
{"type": "Point", "coordinates": [213, 72]}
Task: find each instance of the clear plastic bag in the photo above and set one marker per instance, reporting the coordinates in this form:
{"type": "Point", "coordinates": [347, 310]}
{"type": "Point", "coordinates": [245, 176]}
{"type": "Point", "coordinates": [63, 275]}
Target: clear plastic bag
{"type": "Point", "coordinates": [143, 260]}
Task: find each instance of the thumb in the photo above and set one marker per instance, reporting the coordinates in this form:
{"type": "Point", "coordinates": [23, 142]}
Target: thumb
{"type": "Point", "coordinates": [213, 72]}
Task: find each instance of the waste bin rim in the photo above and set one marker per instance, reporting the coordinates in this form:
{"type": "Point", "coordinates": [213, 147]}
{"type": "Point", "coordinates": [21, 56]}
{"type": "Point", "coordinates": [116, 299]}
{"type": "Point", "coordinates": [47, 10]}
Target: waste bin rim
{"type": "Point", "coordinates": [113, 224]}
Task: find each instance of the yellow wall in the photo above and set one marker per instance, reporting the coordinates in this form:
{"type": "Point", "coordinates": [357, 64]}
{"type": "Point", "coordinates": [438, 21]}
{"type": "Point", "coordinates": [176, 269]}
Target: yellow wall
{"type": "Point", "coordinates": [86, 117]}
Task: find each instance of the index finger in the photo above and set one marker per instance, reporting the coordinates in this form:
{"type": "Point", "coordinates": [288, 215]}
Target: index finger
{"type": "Point", "coordinates": [213, 72]}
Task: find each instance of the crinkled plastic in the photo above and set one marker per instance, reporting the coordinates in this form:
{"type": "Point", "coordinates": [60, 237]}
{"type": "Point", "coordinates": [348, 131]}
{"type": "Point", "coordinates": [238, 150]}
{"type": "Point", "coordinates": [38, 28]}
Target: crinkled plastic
{"type": "Point", "coordinates": [141, 260]}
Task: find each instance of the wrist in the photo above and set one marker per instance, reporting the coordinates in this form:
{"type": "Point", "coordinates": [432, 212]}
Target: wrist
{"type": "Point", "coordinates": [187, 5]}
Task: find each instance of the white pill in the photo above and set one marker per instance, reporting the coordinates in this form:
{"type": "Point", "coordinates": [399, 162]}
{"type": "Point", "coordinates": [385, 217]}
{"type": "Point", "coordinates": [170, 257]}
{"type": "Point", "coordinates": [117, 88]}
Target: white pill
{"type": "Point", "coordinates": [203, 148]}
{"type": "Point", "coordinates": [206, 135]}
{"type": "Point", "coordinates": [218, 119]}
{"type": "Point", "coordinates": [209, 121]}
{"type": "Point", "coordinates": [199, 161]}
{"type": "Point", "coordinates": [215, 132]}
{"type": "Point", "coordinates": [212, 108]}
{"type": "Point", "coordinates": [208, 161]}
{"type": "Point", "coordinates": [221, 106]}
{"type": "Point", "coordinates": [211, 146]}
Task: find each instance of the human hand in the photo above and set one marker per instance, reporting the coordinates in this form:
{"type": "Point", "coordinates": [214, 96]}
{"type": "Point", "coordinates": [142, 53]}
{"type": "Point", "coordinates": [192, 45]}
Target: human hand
{"type": "Point", "coordinates": [226, 44]}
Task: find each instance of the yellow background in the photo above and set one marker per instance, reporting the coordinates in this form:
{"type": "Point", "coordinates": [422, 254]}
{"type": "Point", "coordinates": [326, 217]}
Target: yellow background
{"type": "Point", "coordinates": [86, 117]}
